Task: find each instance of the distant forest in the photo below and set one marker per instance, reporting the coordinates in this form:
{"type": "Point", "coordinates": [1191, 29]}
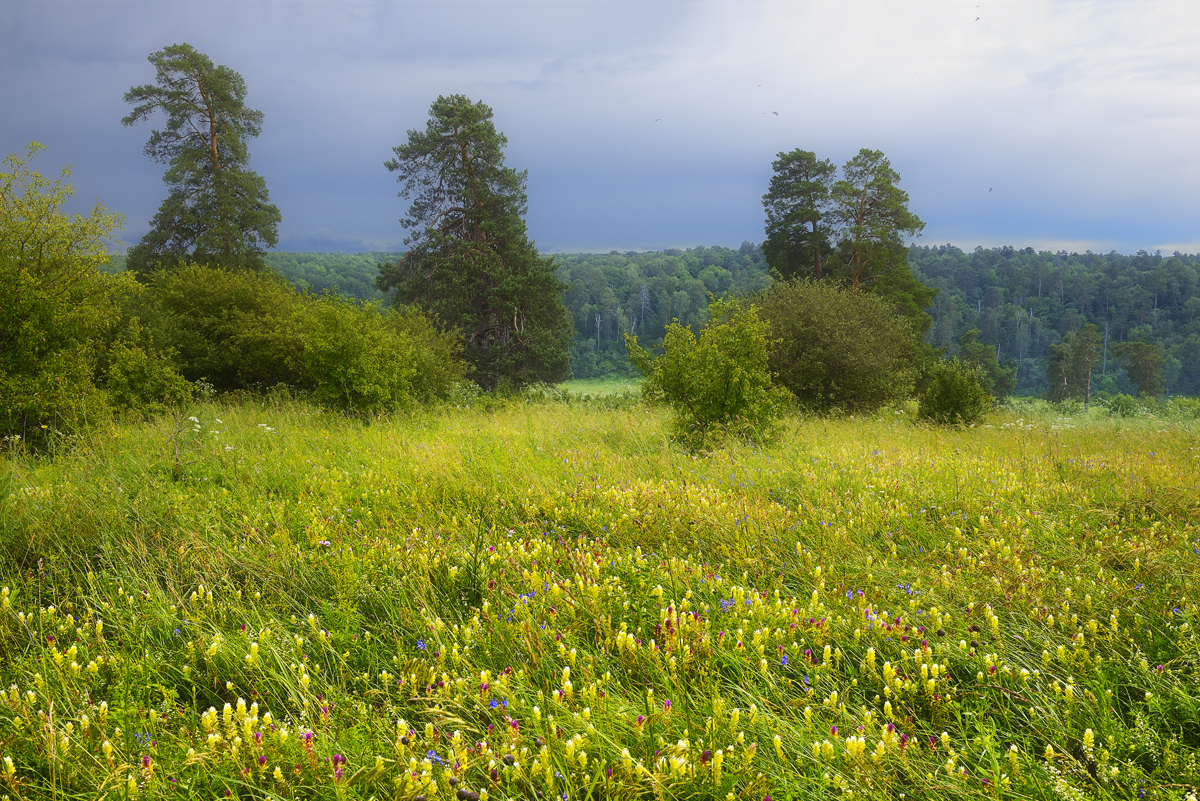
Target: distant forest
{"type": "Point", "coordinates": [1021, 301]}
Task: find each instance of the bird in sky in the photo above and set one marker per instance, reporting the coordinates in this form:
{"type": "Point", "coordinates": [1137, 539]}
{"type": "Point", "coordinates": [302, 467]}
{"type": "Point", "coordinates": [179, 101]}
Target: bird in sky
{"type": "Point", "coordinates": [989, 189]}
{"type": "Point", "coordinates": [659, 119]}
{"type": "Point", "coordinates": [776, 113]}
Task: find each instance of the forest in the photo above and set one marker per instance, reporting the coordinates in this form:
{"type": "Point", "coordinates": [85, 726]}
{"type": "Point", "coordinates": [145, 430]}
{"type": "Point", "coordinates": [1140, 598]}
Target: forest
{"type": "Point", "coordinates": [1022, 301]}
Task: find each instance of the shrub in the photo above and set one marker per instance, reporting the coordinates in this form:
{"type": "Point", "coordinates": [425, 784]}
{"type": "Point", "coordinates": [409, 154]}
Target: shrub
{"type": "Point", "coordinates": [717, 384]}
{"type": "Point", "coordinates": [142, 378]}
{"type": "Point", "coordinates": [358, 364]}
{"type": "Point", "coordinates": [837, 349]}
{"type": "Point", "coordinates": [1184, 408]}
{"type": "Point", "coordinates": [437, 356]}
{"type": "Point", "coordinates": [365, 360]}
{"type": "Point", "coordinates": [236, 330]}
{"type": "Point", "coordinates": [55, 306]}
{"type": "Point", "coordinates": [1122, 405]}
{"type": "Point", "coordinates": [954, 393]}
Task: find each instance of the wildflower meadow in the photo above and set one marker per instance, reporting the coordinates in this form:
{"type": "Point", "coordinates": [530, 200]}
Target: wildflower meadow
{"type": "Point", "coordinates": [552, 600]}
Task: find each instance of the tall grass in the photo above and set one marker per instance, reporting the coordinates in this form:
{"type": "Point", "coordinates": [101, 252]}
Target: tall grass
{"type": "Point", "coordinates": [551, 599]}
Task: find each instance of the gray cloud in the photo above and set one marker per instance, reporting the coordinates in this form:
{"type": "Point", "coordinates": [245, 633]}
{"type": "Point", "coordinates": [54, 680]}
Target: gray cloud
{"type": "Point", "coordinates": [1081, 116]}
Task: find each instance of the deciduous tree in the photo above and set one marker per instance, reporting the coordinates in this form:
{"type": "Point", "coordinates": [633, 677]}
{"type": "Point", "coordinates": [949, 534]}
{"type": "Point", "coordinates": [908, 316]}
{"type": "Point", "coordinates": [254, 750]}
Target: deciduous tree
{"type": "Point", "coordinates": [218, 211]}
{"type": "Point", "coordinates": [837, 349]}
{"type": "Point", "coordinates": [55, 306]}
{"type": "Point", "coordinates": [717, 384]}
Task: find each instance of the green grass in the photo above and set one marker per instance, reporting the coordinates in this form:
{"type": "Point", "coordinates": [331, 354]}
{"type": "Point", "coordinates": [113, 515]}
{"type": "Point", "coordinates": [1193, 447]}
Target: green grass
{"type": "Point", "coordinates": [608, 385]}
{"type": "Point", "coordinates": [551, 598]}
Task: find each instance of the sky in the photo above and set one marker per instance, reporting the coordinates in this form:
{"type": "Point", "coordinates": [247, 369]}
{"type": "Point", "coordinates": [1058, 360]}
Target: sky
{"type": "Point", "coordinates": [1069, 124]}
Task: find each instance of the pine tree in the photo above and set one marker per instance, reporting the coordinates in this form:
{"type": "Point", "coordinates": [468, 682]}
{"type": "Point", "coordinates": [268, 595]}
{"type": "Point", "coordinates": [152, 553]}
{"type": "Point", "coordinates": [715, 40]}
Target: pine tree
{"type": "Point", "coordinates": [470, 261]}
{"type": "Point", "coordinates": [218, 211]}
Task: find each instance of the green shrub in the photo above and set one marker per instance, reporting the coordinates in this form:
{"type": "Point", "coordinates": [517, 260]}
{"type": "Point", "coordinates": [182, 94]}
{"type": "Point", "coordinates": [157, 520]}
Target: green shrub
{"type": "Point", "coordinates": [718, 384]}
{"type": "Point", "coordinates": [954, 393]}
{"type": "Point", "coordinates": [236, 330]}
{"type": "Point", "coordinates": [437, 356]}
{"type": "Point", "coordinates": [836, 349]}
{"type": "Point", "coordinates": [1122, 405]}
{"type": "Point", "coordinates": [1184, 408]}
{"type": "Point", "coordinates": [56, 308]}
{"type": "Point", "coordinates": [142, 378]}
{"type": "Point", "coordinates": [365, 360]}
{"type": "Point", "coordinates": [358, 364]}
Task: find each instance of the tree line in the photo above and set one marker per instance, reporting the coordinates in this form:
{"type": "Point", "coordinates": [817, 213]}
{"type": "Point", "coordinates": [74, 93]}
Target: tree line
{"type": "Point", "coordinates": [1026, 303]}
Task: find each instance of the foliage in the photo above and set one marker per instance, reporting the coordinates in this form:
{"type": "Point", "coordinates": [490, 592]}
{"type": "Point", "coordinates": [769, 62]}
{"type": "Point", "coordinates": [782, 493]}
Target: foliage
{"type": "Point", "coordinates": [470, 261]}
{"type": "Point", "coordinates": [357, 362]}
{"type": "Point", "coordinates": [1069, 365]}
{"type": "Point", "coordinates": [54, 304]}
{"type": "Point", "coordinates": [798, 205]}
{"type": "Point", "coordinates": [717, 384]}
{"type": "Point", "coordinates": [235, 330]}
{"type": "Point", "coordinates": [1184, 408]}
{"type": "Point", "coordinates": [849, 230]}
{"type": "Point", "coordinates": [366, 361]}
{"type": "Point", "coordinates": [1023, 301]}
{"type": "Point", "coordinates": [836, 348]}
{"type": "Point", "coordinates": [871, 214]}
{"type": "Point", "coordinates": [140, 377]}
{"type": "Point", "coordinates": [370, 590]}
{"type": "Point", "coordinates": [1143, 364]}
{"type": "Point", "coordinates": [999, 380]}
{"type": "Point", "coordinates": [436, 355]}
{"type": "Point", "coordinates": [955, 393]}
{"type": "Point", "coordinates": [218, 211]}
{"type": "Point", "coordinates": [610, 295]}
{"type": "Point", "coordinates": [1123, 405]}
{"type": "Point", "coordinates": [351, 274]}
{"type": "Point", "coordinates": [251, 331]}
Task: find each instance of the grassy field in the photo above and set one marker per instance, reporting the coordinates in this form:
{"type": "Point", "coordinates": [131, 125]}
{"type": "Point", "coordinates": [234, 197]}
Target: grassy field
{"type": "Point", "coordinates": [602, 386]}
{"type": "Point", "coordinates": [551, 600]}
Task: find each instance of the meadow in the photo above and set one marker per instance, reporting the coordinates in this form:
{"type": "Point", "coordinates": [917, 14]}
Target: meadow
{"type": "Point", "coordinates": [536, 600]}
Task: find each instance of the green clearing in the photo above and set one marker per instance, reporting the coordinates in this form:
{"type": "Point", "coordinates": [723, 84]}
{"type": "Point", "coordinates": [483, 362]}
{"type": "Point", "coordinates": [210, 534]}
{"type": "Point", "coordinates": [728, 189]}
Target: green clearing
{"type": "Point", "coordinates": [548, 599]}
{"type": "Point", "coordinates": [612, 385]}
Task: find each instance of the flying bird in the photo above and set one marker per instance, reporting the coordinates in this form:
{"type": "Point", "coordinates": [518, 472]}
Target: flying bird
{"type": "Point", "coordinates": [989, 189]}
{"type": "Point", "coordinates": [776, 113]}
{"type": "Point", "coordinates": [659, 119]}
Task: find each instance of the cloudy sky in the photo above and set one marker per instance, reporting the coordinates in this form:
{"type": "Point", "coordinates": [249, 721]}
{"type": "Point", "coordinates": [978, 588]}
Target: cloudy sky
{"type": "Point", "coordinates": [647, 124]}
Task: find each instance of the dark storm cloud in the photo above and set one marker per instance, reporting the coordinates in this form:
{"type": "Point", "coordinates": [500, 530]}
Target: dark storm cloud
{"type": "Point", "coordinates": [1081, 116]}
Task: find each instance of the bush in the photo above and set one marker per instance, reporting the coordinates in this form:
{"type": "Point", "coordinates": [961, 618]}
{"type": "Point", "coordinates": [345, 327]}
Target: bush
{"type": "Point", "coordinates": [954, 394]}
{"type": "Point", "coordinates": [357, 363]}
{"type": "Point", "coordinates": [235, 330]}
{"type": "Point", "coordinates": [437, 356]}
{"type": "Point", "coordinates": [1184, 408]}
{"type": "Point", "coordinates": [55, 306]}
{"type": "Point", "coordinates": [717, 385]}
{"type": "Point", "coordinates": [363, 360]}
{"type": "Point", "coordinates": [141, 378]}
{"type": "Point", "coordinates": [1122, 405]}
{"type": "Point", "coordinates": [836, 349]}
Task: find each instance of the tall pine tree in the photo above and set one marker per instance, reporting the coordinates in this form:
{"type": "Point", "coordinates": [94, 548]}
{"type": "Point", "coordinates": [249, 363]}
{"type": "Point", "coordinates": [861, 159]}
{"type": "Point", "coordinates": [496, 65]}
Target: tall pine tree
{"type": "Point", "coordinates": [470, 260]}
{"type": "Point", "coordinates": [218, 211]}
